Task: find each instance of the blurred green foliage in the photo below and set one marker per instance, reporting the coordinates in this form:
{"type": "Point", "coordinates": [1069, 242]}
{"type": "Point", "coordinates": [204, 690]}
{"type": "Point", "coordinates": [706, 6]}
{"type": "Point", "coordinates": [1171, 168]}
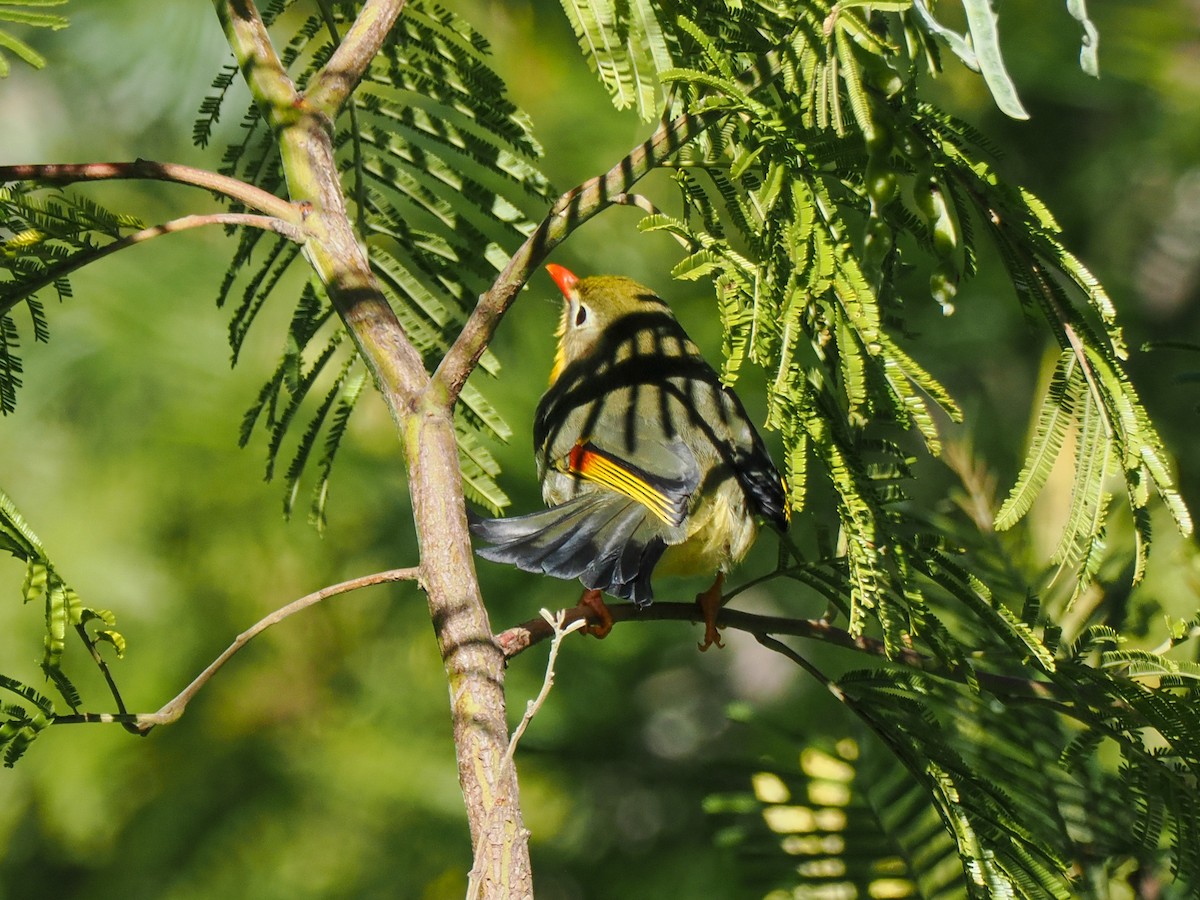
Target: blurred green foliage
{"type": "Point", "coordinates": [318, 764]}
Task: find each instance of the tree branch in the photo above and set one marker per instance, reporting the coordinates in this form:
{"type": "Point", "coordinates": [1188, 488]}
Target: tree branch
{"type": "Point", "coordinates": [21, 290]}
{"type": "Point", "coordinates": [173, 710]}
{"type": "Point", "coordinates": [784, 650]}
{"type": "Point", "coordinates": [331, 86]}
{"type": "Point", "coordinates": [69, 173]}
{"type": "Point", "coordinates": [268, 80]}
{"type": "Point", "coordinates": [105, 671]}
{"type": "Point", "coordinates": [573, 209]}
{"type": "Point", "coordinates": [305, 137]}
{"type": "Point", "coordinates": [519, 638]}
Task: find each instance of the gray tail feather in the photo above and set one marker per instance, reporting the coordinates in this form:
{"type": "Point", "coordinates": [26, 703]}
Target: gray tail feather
{"type": "Point", "coordinates": [605, 540]}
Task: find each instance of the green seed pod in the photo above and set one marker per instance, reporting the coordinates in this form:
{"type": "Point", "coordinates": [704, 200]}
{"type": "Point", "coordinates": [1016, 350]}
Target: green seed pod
{"type": "Point", "coordinates": [878, 138]}
{"type": "Point", "coordinates": [914, 150]}
{"type": "Point", "coordinates": [876, 244]}
{"type": "Point", "coordinates": [943, 285]}
{"type": "Point", "coordinates": [881, 182]}
{"type": "Point", "coordinates": [876, 73]}
{"type": "Point", "coordinates": [945, 235]}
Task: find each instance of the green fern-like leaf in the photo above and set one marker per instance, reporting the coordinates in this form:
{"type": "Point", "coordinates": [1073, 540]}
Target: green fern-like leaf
{"type": "Point", "coordinates": [64, 612]}
{"type": "Point", "coordinates": [210, 106]}
{"type": "Point", "coordinates": [21, 723]}
{"type": "Point", "coordinates": [25, 12]}
{"type": "Point", "coordinates": [352, 387]}
{"type": "Point", "coordinates": [1056, 416]}
{"type": "Point", "coordinates": [917, 809]}
{"type": "Point", "coordinates": [1091, 394]}
{"type": "Point", "coordinates": [956, 750]}
{"type": "Point", "coordinates": [309, 439]}
{"type": "Point", "coordinates": [479, 470]}
{"type": "Point", "coordinates": [791, 226]}
{"type": "Point", "coordinates": [51, 235]}
{"type": "Point", "coordinates": [626, 47]}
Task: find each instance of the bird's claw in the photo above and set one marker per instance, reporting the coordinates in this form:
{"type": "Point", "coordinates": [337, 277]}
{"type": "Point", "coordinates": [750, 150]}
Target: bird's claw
{"type": "Point", "coordinates": [712, 635]}
{"type": "Point", "coordinates": [710, 607]}
{"type": "Point", "coordinates": [596, 612]}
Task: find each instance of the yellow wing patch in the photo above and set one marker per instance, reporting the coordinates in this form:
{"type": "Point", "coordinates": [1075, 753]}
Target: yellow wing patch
{"type": "Point", "coordinates": [589, 463]}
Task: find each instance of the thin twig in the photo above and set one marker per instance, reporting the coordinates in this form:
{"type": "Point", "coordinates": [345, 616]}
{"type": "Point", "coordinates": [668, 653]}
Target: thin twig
{"type": "Point", "coordinates": [641, 201]}
{"type": "Point", "coordinates": [148, 170]}
{"type": "Point", "coordinates": [106, 672]}
{"type": "Point", "coordinates": [784, 650]}
{"type": "Point", "coordinates": [644, 203]}
{"type": "Point", "coordinates": [173, 710]}
{"type": "Point", "coordinates": [24, 289]}
{"type": "Point", "coordinates": [521, 637]}
{"type": "Point", "coordinates": [1172, 641]}
{"type": "Point", "coordinates": [556, 622]}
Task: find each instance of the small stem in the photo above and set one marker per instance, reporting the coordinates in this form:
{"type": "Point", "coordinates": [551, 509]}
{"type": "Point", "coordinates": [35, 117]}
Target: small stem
{"type": "Point", "coordinates": [644, 203]}
{"type": "Point", "coordinates": [173, 710]}
{"type": "Point", "coordinates": [783, 649]}
{"type": "Point", "coordinates": [560, 631]}
{"type": "Point", "coordinates": [1172, 642]}
{"type": "Point", "coordinates": [105, 671]}
{"type": "Point", "coordinates": [639, 200]}
{"type": "Point", "coordinates": [24, 289]}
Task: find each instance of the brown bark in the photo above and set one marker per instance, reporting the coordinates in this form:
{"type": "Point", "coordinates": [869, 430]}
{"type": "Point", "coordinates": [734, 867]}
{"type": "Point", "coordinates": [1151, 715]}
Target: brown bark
{"type": "Point", "coordinates": [474, 664]}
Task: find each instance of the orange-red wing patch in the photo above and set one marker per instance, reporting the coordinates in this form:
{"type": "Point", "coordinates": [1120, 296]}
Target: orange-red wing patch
{"type": "Point", "coordinates": [587, 462]}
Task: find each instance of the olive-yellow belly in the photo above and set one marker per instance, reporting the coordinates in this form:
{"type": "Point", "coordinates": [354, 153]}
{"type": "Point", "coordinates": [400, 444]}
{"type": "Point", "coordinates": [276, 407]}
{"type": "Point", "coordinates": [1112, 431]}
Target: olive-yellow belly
{"type": "Point", "coordinates": [721, 533]}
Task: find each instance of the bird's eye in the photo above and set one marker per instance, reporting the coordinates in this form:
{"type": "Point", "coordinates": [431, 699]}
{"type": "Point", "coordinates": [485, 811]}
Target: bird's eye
{"type": "Point", "coordinates": [581, 316]}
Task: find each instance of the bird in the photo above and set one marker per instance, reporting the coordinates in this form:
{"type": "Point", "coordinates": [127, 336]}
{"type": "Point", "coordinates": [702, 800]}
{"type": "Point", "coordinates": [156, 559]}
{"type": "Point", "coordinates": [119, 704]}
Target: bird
{"type": "Point", "coordinates": [648, 463]}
